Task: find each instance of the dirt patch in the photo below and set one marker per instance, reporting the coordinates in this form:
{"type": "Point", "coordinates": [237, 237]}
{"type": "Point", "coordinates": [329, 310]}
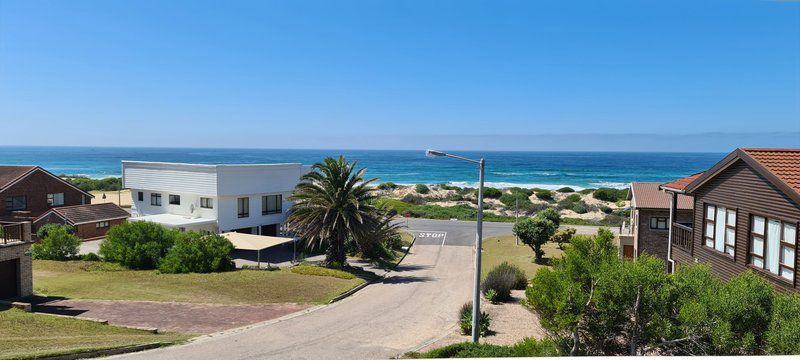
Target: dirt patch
{"type": "Point", "coordinates": [177, 317]}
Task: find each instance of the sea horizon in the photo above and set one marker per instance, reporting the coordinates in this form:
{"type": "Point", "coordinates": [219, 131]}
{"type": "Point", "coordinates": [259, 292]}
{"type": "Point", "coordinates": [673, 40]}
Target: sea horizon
{"type": "Point", "coordinates": [542, 169]}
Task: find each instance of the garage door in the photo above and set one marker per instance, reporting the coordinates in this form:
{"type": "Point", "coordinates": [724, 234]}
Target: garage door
{"type": "Point", "coordinates": [9, 281]}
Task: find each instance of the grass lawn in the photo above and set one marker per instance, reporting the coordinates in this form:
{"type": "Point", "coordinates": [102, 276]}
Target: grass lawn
{"type": "Point", "coordinates": [106, 281]}
{"type": "Point", "coordinates": [503, 248]}
{"type": "Point", "coordinates": [27, 335]}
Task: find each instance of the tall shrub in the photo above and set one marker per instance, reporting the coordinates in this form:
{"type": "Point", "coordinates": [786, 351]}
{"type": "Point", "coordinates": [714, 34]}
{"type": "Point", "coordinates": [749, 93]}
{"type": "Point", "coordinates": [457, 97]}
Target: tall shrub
{"type": "Point", "coordinates": [783, 336]}
{"type": "Point", "coordinates": [197, 253]}
{"type": "Point", "coordinates": [137, 244]}
{"type": "Point", "coordinates": [59, 244]}
{"type": "Point", "coordinates": [43, 230]}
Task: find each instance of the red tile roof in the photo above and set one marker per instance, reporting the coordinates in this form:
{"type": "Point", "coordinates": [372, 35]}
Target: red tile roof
{"type": "Point", "coordinates": [9, 173]}
{"type": "Point", "coordinates": [90, 212]}
{"type": "Point", "coordinates": [646, 195]}
{"type": "Point", "coordinates": [681, 183]}
{"type": "Point", "coordinates": [783, 163]}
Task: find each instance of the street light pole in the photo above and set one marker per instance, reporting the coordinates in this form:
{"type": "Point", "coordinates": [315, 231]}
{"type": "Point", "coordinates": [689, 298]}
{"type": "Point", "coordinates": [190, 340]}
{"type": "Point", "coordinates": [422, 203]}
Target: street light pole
{"type": "Point", "coordinates": [476, 294]}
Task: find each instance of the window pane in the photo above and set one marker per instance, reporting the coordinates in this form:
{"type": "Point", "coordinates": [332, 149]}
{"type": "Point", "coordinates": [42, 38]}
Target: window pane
{"type": "Point", "coordinates": [730, 236]}
{"type": "Point", "coordinates": [758, 245]}
{"type": "Point", "coordinates": [710, 229]}
{"type": "Point", "coordinates": [758, 263]}
{"type": "Point", "coordinates": [719, 231]}
{"type": "Point", "coordinates": [787, 274]}
{"type": "Point", "coordinates": [710, 243]}
{"type": "Point", "coordinates": [773, 244]}
{"type": "Point", "coordinates": [758, 225]}
{"type": "Point", "coordinates": [788, 256]}
{"type": "Point", "coordinates": [710, 212]}
{"type": "Point", "coordinates": [789, 233]}
{"type": "Point", "coordinates": [732, 217]}
{"type": "Point", "coordinates": [729, 250]}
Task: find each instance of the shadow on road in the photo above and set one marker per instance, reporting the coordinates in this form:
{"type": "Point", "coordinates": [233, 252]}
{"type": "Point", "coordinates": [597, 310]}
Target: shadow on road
{"type": "Point", "coordinates": [402, 268]}
{"type": "Point", "coordinates": [405, 279]}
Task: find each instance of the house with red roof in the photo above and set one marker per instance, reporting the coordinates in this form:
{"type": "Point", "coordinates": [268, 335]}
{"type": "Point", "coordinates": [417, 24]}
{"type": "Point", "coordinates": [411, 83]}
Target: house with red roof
{"type": "Point", "coordinates": [26, 192]}
{"type": "Point", "coordinates": [746, 216]}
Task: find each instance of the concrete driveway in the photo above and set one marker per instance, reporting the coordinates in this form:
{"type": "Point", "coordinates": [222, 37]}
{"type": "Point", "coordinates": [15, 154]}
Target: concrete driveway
{"type": "Point", "coordinates": [412, 306]}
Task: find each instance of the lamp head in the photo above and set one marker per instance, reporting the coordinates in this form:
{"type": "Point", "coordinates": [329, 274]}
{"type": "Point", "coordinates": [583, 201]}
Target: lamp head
{"type": "Point", "coordinates": [433, 153]}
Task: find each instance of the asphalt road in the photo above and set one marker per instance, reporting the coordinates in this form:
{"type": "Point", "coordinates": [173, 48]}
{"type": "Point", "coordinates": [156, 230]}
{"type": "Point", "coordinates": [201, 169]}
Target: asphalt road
{"type": "Point", "coordinates": [412, 306]}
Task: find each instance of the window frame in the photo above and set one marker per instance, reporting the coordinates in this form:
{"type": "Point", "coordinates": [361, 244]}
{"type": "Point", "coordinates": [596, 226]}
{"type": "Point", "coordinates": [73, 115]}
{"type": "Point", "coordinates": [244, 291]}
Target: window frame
{"type": "Point", "coordinates": [265, 210]}
{"type": "Point", "coordinates": [765, 243]}
{"type": "Point", "coordinates": [713, 237]}
{"type": "Point", "coordinates": [174, 199]}
{"type": "Point", "coordinates": [51, 199]}
{"type": "Point", "coordinates": [657, 219]}
{"type": "Point", "coordinates": [101, 224]}
{"type": "Point", "coordinates": [243, 207]}
{"type": "Point", "coordinates": [140, 196]}
{"type": "Point", "coordinates": [155, 199]}
{"type": "Point", "coordinates": [10, 200]}
{"type": "Point", "coordinates": [206, 203]}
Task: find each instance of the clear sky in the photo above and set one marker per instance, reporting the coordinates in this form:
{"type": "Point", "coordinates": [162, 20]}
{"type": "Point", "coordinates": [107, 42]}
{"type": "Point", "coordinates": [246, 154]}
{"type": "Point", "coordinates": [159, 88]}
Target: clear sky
{"type": "Point", "coordinates": [483, 75]}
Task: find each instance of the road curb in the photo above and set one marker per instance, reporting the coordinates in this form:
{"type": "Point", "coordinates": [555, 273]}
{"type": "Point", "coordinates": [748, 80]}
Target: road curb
{"type": "Point", "coordinates": [106, 352]}
{"type": "Point", "coordinates": [354, 290]}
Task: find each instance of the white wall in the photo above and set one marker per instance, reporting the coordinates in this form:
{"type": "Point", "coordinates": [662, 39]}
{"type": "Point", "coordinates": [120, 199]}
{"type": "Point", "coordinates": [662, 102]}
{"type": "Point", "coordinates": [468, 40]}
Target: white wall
{"type": "Point", "coordinates": [258, 179]}
{"type": "Point", "coordinates": [228, 212]}
{"type": "Point", "coordinates": [185, 208]}
{"type": "Point", "coordinates": [167, 177]}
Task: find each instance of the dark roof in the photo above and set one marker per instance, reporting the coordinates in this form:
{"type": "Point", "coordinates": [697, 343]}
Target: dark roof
{"type": "Point", "coordinates": [681, 183]}
{"type": "Point", "coordinates": [79, 214]}
{"type": "Point", "coordinates": [646, 195]}
{"type": "Point", "coordinates": [9, 173]}
{"type": "Point", "coordinates": [781, 167]}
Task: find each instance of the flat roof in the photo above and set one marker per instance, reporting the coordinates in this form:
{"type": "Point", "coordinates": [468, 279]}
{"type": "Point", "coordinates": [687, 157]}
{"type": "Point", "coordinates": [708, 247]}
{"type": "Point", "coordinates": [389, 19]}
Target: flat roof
{"type": "Point", "coordinates": [254, 242]}
{"type": "Point", "coordinates": [172, 220]}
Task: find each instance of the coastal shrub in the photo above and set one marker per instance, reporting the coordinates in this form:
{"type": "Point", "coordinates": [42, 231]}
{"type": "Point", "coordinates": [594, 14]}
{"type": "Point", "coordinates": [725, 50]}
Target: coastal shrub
{"type": "Point", "coordinates": [91, 257]}
{"type": "Point", "coordinates": [612, 220]}
{"type": "Point", "coordinates": [521, 191]}
{"type": "Point", "coordinates": [501, 282]}
{"type": "Point", "coordinates": [550, 214]}
{"type": "Point", "coordinates": [605, 209]}
{"type": "Point", "coordinates": [88, 184]}
{"type": "Point", "coordinates": [609, 194]}
{"type": "Point", "coordinates": [566, 189]}
{"type": "Point", "coordinates": [579, 208]}
{"type": "Point", "coordinates": [59, 244]}
{"type": "Point", "coordinates": [514, 200]}
{"type": "Point", "coordinates": [387, 186]}
{"type": "Point", "coordinates": [398, 206]}
{"type": "Point", "coordinates": [492, 193]}
{"type": "Point", "coordinates": [137, 244]}
{"type": "Point", "coordinates": [454, 197]}
{"type": "Point", "coordinates": [520, 279]}
{"type": "Point", "coordinates": [534, 232]}
{"type": "Point", "coordinates": [43, 230]}
{"type": "Point", "coordinates": [544, 194]}
{"type": "Point", "coordinates": [422, 189]}
{"type": "Point", "coordinates": [587, 191]}
{"type": "Point", "coordinates": [465, 320]}
{"type": "Point", "coordinates": [198, 253]}
{"type": "Point", "coordinates": [783, 336]}
{"type": "Point", "coordinates": [563, 236]}
{"type": "Point", "coordinates": [449, 187]}
{"type": "Point", "coordinates": [573, 198]}
{"type": "Point", "coordinates": [528, 347]}
{"type": "Point", "coordinates": [413, 199]}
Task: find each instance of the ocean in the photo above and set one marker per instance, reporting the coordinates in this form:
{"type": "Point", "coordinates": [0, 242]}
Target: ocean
{"type": "Point", "coordinates": [550, 170]}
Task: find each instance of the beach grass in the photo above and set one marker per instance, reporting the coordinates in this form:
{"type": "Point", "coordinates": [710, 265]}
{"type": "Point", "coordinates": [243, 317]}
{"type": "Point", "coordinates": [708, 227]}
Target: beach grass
{"type": "Point", "coordinates": [26, 335]}
{"type": "Point", "coordinates": [103, 281]}
{"type": "Point", "coordinates": [498, 249]}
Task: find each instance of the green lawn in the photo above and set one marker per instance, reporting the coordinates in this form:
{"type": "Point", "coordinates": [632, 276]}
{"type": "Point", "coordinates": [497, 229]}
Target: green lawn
{"type": "Point", "coordinates": [105, 281]}
{"type": "Point", "coordinates": [28, 335]}
{"type": "Point", "coordinates": [503, 248]}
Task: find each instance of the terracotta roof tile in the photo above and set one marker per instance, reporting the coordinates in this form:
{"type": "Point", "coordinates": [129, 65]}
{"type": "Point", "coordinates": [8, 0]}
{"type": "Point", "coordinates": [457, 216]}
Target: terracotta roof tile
{"type": "Point", "coordinates": [9, 173]}
{"type": "Point", "coordinates": [646, 195]}
{"type": "Point", "coordinates": [91, 212]}
{"type": "Point", "coordinates": [784, 163]}
{"type": "Point", "coordinates": [682, 183]}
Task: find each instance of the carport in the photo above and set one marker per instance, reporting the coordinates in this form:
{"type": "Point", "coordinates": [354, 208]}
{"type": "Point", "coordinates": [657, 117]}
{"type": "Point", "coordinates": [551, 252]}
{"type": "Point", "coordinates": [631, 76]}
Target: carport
{"type": "Point", "coordinates": [255, 242]}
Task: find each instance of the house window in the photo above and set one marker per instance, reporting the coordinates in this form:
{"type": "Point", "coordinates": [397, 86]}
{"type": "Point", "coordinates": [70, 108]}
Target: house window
{"type": "Point", "coordinates": [271, 204]}
{"type": "Point", "coordinates": [243, 205]}
{"type": "Point", "coordinates": [16, 203]}
{"type": "Point", "coordinates": [206, 203]}
{"type": "Point", "coordinates": [101, 224]}
{"type": "Point", "coordinates": [174, 199]}
{"type": "Point", "coordinates": [772, 246]}
{"type": "Point", "coordinates": [56, 199]}
{"type": "Point", "coordinates": [658, 223]}
{"type": "Point", "coordinates": [719, 231]}
{"type": "Point", "coordinates": [155, 199]}
{"type": "Point", "coordinates": [140, 195]}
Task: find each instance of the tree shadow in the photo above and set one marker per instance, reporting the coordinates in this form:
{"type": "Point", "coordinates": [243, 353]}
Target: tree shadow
{"type": "Point", "coordinates": [405, 279]}
{"type": "Point", "coordinates": [545, 261]}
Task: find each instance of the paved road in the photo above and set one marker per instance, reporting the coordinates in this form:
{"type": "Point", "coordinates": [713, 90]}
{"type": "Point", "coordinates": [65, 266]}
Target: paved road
{"type": "Point", "coordinates": [412, 306]}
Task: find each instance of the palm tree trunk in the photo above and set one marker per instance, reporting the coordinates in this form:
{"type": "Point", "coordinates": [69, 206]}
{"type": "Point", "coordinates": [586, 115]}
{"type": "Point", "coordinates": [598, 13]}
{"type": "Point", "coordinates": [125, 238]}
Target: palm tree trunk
{"type": "Point", "coordinates": [335, 253]}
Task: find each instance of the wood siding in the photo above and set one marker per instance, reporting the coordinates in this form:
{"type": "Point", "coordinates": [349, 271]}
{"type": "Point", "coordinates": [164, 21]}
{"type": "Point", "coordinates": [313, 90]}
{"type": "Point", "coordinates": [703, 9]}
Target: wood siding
{"type": "Point", "coordinates": [742, 188]}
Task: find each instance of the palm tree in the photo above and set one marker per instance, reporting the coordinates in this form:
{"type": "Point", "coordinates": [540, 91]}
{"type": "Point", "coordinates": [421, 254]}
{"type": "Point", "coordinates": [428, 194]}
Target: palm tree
{"type": "Point", "coordinates": [333, 203]}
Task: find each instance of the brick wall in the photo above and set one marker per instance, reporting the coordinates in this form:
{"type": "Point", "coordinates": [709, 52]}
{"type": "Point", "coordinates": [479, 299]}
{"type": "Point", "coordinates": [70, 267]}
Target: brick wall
{"type": "Point", "coordinates": [35, 188]}
{"type": "Point", "coordinates": [21, 251]}
{"type": "Point", "coordinates": [652, 241]}
{"type": "Point", "coordinates": [91, 231]}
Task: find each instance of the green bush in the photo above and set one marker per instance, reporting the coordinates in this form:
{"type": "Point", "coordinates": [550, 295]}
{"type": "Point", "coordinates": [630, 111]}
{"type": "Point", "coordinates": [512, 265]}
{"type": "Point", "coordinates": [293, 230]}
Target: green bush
{"type": "Point", "coordinates": [422, 189]}
{"type": "Point", "coordinates": [413, 199]}
{"type": "Point", "coordinates": [43, 230]}
{"type": "Point", "coordinates": [91, 257]}
{"type": "Point", "coordinates": [520, 279]}
{"type": "Point", "coordinates": [514, 199]}
{"type": "Point", "coordinates": [544, 194]}
{"type": "Point", "coordinates": [580, 208]}
{"type": "Point", "coordinates": [492, 193]}
{"type": "Point", "coordinates": [501, 282]}
{"type": "Point", "coordinates": [563, 236]}
{"type": "Point", "coordinates": [609, 194]}
{"type": "Point", "coordinates": [449, 187]}
{"type": "Point", "coordinates": [87, 184]}
{"type": "Point", "coordinates": [521, 191]}
{"type": "Point", "coordinates": [573, 197]}
{"type": "Point", "coordinates": [198, 253]}
{"type": "Point", "coordinates": [59, 244]}
{"type": "Point", "coordinates": [566, 189]}
{"type": "Point", "coordinates": [550, 214]}
{"type": "Point", "coordinates": [387, 186]}
{"type": "Point", "coordinates": [529, 347]}
{"type": "Point", "coordinates": [137, 244]}
{"type": "Point", "coordinates": [586, 191]}
{"type": "Point", "coordinates": [783, 336]}
{"type": "Point", "coordinates": [465, 320]}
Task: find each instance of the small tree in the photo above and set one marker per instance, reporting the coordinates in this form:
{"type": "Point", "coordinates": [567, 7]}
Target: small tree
{"type": "Point", "coordinates": [550, 214]}
{"type": "Point", "coordinates": [783, 336]}
{"type": "Point", "coordinates": [534, 232]}
{"type": "Point", "coordinates": [197, 253]}
{"type": "Point", "coordinates": [59, 244]}
{"type": "Point", "coordinates": [563, 236]}
{"type": "Point", "coordinates": [137, 244]}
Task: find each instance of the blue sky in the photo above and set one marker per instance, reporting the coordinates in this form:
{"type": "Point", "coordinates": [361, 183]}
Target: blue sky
{"type": "Point", "coordinates": [483, 75]}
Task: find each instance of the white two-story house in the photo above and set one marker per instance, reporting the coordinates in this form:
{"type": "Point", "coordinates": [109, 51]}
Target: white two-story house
{"type": "Point", "coordinates": [217, 198]}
